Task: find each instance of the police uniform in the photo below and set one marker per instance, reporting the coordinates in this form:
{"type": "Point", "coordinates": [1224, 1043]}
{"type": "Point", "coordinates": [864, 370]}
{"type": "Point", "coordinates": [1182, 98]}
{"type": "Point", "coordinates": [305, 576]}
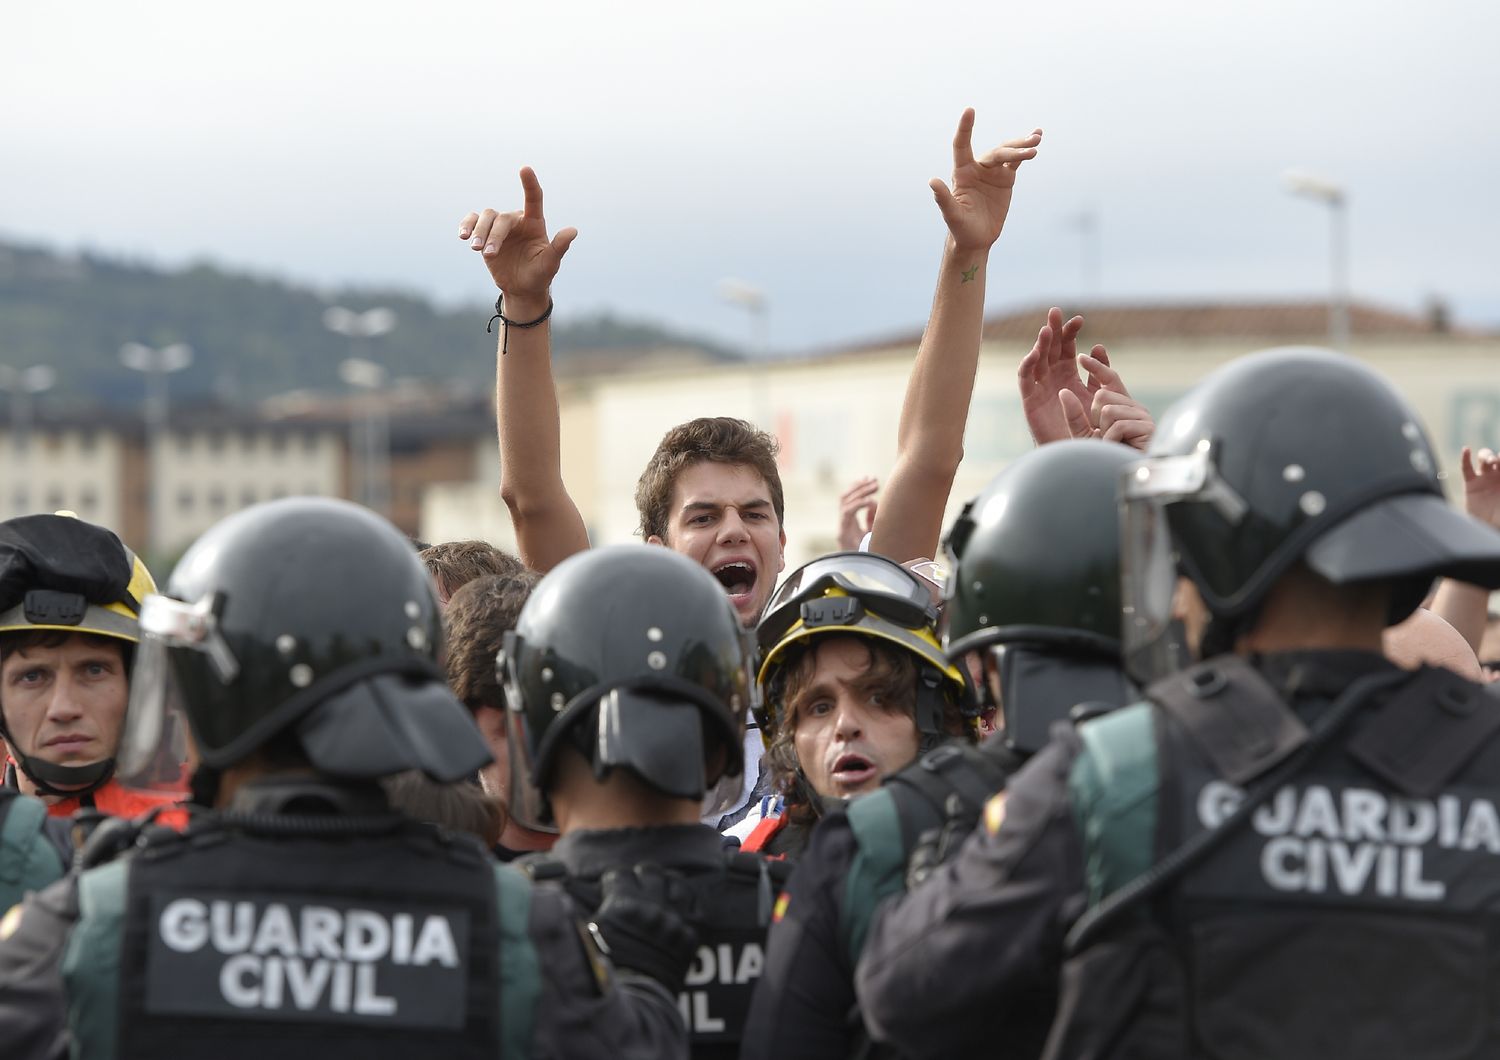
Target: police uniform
{"type": "Point", "coordinates": [805, 1004]}
{"type": "Point", "coordinates": [1289, 854]}
{"type": "Point", "coordinates": [243, 937]}
{"type": "Point", "coordinates": [730, 897]}
{"type": "Point", "coordinates": [33, 851]}
{"type": "Point", "coordinates": [302, 917]}
{"type": "Point", "coordinates": [1347, 915]}
{"type": "Point", "coordinates": [1031, 587]}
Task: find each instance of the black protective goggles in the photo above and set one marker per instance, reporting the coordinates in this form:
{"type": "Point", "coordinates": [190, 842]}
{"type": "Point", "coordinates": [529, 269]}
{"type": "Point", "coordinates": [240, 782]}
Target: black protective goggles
{"type": "Point", "coordinates": [870, 583]}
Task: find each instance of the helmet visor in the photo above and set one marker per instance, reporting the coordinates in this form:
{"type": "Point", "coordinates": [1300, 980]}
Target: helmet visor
{"type": "Point", "coordinates": [153, 742]}
{"type": "Point", "coordinates": [884, 588]}
{"type": "Point", "coordinates": [1150, 637]}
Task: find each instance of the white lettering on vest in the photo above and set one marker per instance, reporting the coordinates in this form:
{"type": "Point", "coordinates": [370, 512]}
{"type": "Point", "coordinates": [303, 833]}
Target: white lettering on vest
{"type": "Point", "coordinates": [1355, 841]}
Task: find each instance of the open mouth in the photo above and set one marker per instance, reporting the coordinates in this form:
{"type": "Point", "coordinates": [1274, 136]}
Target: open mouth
{"type": "Point", "coordinates": [737, 577]}
{"type": "Point", "coordinates": [852, 770]}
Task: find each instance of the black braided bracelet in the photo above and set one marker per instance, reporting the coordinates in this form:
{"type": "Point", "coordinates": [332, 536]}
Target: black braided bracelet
{"type": "Point", "coordinates": [506, 323]}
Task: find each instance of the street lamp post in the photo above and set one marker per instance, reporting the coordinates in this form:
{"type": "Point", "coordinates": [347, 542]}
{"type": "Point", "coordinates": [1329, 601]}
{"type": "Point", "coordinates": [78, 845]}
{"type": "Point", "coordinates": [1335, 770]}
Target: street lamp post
{"type": "Point", "coordinates": [755, 302]}
{"type": "Point", "coordinates": [1337, 200]}
{"type": "Point", "coordinates": [371, 441]}
{"type": "Point", "coordinates": [156, 364]}
{"type": "Point", "coordinates": [24, 384]}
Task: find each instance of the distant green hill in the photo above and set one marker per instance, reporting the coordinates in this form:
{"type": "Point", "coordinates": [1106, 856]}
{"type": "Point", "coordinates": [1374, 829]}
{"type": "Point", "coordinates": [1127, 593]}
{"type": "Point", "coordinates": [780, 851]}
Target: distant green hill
{"type": "Point", "coordinates": [252, 337]}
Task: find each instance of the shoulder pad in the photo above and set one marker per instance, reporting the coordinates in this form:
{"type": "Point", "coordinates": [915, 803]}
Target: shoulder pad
{"type": "Point", "coordinates": [1233, 715]}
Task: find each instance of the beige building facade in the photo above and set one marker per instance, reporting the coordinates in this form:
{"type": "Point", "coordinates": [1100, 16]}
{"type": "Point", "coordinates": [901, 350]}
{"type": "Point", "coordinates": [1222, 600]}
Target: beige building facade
{"type": "Point", "coordinates": [836, 415]}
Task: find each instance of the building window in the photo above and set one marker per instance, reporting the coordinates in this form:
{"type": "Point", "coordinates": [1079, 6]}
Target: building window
{"type": "Point", "coordinates": [278, 442]}
{"type": "Point", "coordinates": [86, 441]}
{"type": "Point", "coordinates": [310, 442]}
{"type": "Point", "coordinates": [247, 496]}
{"type": "Point", "coordinates": [55, 500]}
{"type": "Point", "coordinates": [215, 441]}
{"type": "Point", "coordinates": [216, 500]}
{"type": "Point", "coordinates": [185, 499]}
{"type": "Point", "coordinates": [88, 500]}
{"type": "Point", "coordinates": [184, 443]}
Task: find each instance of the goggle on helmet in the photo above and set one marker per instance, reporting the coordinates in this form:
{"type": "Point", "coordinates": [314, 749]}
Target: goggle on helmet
{"type": "Point", "coordinates": [849, 593]}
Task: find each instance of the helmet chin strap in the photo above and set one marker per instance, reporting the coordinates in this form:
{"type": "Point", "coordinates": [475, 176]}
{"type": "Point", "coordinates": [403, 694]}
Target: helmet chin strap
{"type": "Point", "coordinates": [75, 781]}
{"type": "Point", "coordinates": [929, 709]}
{"type": "Point", "coordinates": [53, 779]}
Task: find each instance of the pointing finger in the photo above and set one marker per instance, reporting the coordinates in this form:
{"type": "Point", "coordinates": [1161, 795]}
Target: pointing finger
{"type": "Point", "coordinates": [533, 190]}
{"type": "Point", "coordinates": [963, 152]}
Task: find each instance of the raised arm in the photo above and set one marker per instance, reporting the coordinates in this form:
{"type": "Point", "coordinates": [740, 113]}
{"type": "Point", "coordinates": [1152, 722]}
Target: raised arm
{"type": "Point", "coordinates": [1466, 607]}
{"type": "Point", "coordinates": [930, 437]}
{"type": "Point", "coordinates": [522, 261]}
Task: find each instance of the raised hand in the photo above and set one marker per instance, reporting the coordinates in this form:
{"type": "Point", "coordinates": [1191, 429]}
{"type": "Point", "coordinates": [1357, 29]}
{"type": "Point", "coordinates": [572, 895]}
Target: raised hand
{"type": "Point", "coordinates": [974, 208]}
{"type": "Point", "coordinates": [1482, 485]}
{"type": "Point", "coordinates": [1113, 415]}
{"type": "Point", "coordinates": [1049, 368]}
{"type": "Point", "coordinates": [860, 497]}
{"type": "Point", "coordinates": [516, 250]}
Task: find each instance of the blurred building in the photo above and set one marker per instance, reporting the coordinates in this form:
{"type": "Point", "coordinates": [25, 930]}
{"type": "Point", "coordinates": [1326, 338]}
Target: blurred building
{"type": "Point", "coordinates": [834, 413]}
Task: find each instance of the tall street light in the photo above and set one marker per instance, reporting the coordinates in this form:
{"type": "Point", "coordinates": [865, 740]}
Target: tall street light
{"type": "Point", "coordinates": [24, 384]}
{"type": "Point", "coordinates": [755, 302]}
{"type": "Point", "coordinates": [157, 364]}
{"type": "Point", "coordinates": [1336, 199]}
{"type": "Point", "coordinates": [372, 441]}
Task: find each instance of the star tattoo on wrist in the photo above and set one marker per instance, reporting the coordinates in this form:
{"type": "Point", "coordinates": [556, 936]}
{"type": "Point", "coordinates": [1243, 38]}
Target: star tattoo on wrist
{"type": "Point", "coordinates": [970, 273]}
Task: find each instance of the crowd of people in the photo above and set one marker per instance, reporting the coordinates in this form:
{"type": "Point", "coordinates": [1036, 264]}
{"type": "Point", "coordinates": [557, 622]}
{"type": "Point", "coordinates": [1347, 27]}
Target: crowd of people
{"type": "Point", "coordinates": [1177, 742]}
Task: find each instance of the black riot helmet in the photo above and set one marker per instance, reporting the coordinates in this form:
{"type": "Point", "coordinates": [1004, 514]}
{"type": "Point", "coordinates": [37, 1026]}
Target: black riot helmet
{"type": "Point", "coordinates": [1034, 584]}
{"type": "Point", "coordinates": [60, 574]}
{"type": "Point", "coordinates": [1284, 456]}
{"type": "Point", "coordinates": [637, 657]}
{"type": "Point", "coordinates": [306, 616]}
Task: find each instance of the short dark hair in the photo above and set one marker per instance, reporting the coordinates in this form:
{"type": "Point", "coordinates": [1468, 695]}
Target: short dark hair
{"type": "Point", "coordinates": [458, 807]}
{"type": "Point", "coordinates": [454, 564]}
{"type": "Point", "coordinates": [476, 621]}
{"type": "Point", "coordinates": [721, 439]}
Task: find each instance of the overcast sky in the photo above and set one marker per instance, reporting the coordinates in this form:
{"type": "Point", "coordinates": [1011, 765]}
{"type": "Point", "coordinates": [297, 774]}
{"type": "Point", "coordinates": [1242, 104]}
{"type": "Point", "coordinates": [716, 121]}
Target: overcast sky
{"type": "Point", "coordinates": [787, 144]}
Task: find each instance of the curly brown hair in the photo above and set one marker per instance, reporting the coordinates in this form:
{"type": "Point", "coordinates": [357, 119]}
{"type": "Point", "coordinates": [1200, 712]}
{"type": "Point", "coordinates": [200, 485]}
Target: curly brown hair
{"type": "Point", "coordinates": [722, 439]}
{"type": "Point", "coordinates": [890, 680]}
{"type": "Point", "coordinates": [475, 624]}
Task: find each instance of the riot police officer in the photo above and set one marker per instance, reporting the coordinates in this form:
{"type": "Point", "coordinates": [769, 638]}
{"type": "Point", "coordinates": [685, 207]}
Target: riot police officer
{"type": "Point", "coordinates": [627, 679]}
{"type": "Point", "coordinates": [298, 641]}
{"type": "Point", "coordinates": [1032, 605]}
{"type": "Point", "coordinates": [1287, 849]}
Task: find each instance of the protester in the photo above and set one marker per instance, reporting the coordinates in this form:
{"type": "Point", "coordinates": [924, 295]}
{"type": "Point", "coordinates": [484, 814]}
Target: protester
{"type": "Point", "coordinates": [854, 686]}
{"type": "Point", "coordinates": [857, 507]}
{"type": "Point", "coordinates": [1033, 606]}
{"type": "Point", "coordinates": [1466, 607]}
{"type": "Point", "coordinates": [476, 621]}
{"type": "Point", "coordinates": [522, 261]}
{"type": "Point", "coordinates": [453, 564]}
{"type": "Point", "coordinates": [304, 918]}
{"type": "Point", "coordinates": [628, 675]}
{"type": "Point", "coordinates": [1171, 860]}
{"type": "Point", "coordinates": [1058, 404]}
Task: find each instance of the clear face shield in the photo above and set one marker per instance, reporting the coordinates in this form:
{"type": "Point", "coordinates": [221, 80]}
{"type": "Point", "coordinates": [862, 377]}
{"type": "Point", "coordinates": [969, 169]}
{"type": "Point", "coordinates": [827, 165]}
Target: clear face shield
{"type": "Point", "coordinates": [1151, 631]}
{"type": "Point", "coordinates": [154, 741]}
